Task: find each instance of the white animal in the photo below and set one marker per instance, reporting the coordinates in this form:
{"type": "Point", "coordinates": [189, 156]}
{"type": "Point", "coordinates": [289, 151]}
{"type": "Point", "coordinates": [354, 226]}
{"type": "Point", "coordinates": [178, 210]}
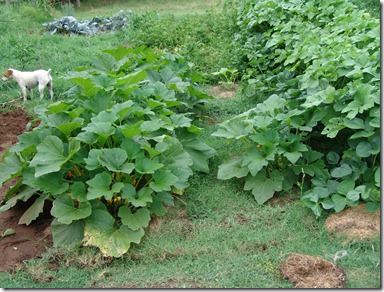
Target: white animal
{"type": "Point", "coordinates": [28, 80]}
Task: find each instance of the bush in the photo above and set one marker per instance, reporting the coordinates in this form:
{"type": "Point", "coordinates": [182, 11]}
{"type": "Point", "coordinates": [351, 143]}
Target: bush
{"type": "Point", "coordinates": [317, 62]}
{"type": "Point", "coordinates": [113, 153]}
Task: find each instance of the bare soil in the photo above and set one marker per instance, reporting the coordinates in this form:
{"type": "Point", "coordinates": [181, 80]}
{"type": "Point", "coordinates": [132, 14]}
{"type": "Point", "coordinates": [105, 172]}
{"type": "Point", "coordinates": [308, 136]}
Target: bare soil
{"type": "Point", "coordinates": [28, 241]}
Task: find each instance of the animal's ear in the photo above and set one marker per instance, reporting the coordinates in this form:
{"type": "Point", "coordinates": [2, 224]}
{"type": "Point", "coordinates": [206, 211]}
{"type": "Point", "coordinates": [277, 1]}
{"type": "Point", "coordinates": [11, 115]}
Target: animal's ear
{"type": "Point", "coordinates": [8, 73]}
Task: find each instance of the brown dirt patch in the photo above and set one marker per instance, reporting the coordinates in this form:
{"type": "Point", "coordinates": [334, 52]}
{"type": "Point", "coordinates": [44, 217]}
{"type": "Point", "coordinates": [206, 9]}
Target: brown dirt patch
{"type": "Point", "coordinates": [354, 223]}
{"type": "Point", "coordinates": [12, 124]}
{"type": "Point", "coordinates": [28, 241]}
{"type": "Point", "coordinates": [305, 271]}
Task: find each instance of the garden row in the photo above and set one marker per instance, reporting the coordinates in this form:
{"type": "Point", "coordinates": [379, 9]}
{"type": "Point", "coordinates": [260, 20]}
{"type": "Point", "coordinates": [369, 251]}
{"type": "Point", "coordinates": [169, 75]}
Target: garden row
{"type": "Point", "coordinates": [313, 69]}
{"type": "Point", "coordinates": [113, 152]}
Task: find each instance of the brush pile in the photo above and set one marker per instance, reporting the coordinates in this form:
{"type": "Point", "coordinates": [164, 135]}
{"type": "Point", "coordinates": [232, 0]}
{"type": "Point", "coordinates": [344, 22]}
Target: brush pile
{"type": "Point", "coordinates": [70, 25]}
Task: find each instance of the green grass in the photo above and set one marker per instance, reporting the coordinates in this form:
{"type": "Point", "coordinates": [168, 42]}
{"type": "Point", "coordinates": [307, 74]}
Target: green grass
{"type": "Point", "coordinates": [217, 236]}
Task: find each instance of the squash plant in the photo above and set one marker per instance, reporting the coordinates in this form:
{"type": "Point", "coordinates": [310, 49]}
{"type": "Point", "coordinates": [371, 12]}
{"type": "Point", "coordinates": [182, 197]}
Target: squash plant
{"type": "Point", "coordinates": [318, 64]}
{"type": "Point", "coordinates": [113, 153]}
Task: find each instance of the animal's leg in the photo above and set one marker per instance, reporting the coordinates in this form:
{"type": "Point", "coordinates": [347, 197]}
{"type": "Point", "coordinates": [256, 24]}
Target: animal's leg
{"type": "Point", "coordinates": [41, 91]}
{"type": "Point", "coordinates": [49, 85]}
{"type": "Point", "coordinates": [24, 91]}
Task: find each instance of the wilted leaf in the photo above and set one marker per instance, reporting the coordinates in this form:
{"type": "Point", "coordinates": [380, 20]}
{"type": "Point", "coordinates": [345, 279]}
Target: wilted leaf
{"type": "Point", "coordinates": [34, 210]}
{"type": "Point", "coordinates": [100, 231]}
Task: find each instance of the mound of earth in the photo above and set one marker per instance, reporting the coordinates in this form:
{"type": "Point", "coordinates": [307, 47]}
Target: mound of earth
{"type": "Point", "coordinates": [28, 241]}
{"type": "Point", "coordinates": [305, 271]}
{"type": "Point", "coordinates": [355, 223]}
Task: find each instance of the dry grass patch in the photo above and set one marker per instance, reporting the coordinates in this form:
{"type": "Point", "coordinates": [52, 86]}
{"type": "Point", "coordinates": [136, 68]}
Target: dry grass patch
{"type": "Point", "coordinates": [305, 271]}
{"type": "Point", "coordinates": [220, 91]}
{"type": "Point", "coordinates": [354, 223]}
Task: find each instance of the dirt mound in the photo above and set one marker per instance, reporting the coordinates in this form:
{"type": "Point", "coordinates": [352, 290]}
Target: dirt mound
{"type": "Point", "coordinates": [28, 241]}
{"type": "Point", "coordinates": [305, 271]}
{"type": "Point", "coordinates": [354, 223]}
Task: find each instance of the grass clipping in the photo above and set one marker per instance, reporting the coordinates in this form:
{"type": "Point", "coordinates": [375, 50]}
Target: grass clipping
{"type": "Point", "coordinates": [305, 271]}
{"type": "Point", "coordinates": [355, 223]}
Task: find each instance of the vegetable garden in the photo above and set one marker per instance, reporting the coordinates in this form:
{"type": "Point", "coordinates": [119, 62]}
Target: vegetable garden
{"type": "Point", "coordinates": [128, 137]}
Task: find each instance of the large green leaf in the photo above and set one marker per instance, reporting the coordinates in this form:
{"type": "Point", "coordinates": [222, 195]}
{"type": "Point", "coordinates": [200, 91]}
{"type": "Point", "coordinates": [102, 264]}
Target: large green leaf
{"type": "Point", "coordinates": [78, 191]}
{"type": "Point", "coordinates": [103, 81]}
{"type": "Point", "coordinates": [339, 201]}
{"type": "Point", "coordinates": [234, 129]}
{"type": "Point", "coordinates": [263, 188]}
{"type": "Point", "coordinates": [341, 171]}
{"type": "Point", "coordinates": [102, 129]}
{"type": "Point", "coordinates": [136, 220]}
{"type": "Point", "coordinates": [100, 186]}
{"type": "Point", "coordinates": [133, 149]}
{"type": "Point", "coordinates": [254, 160]}
{"type": "Point", "coordinates": [364, 149]}
{"type": "Point", "coordinates": [200, 154]}
{"type": "Point", "coordinates": [10, 167]}
{"type": "Point", "coordinates": [67, 234]}
{"type": "Point", "coordinates": [163, 180]}
{"type": "Point", "coordinates": [114, 160]}
{"type": "Point", "coordinates": [50, 156]}
{"type": "Point", "coordinates": [29, 140]}
{"type": "Point", "coordinates": [105, 62]}
{"type": "Point", "coordinates": [52, 183]}
{"type": "Point", "coordinates": [65, 211]}
{"type": "Point", "coordinates": [130, 131]}
{"type": "Point", "coordinates": [146, 165]}
{"type": "Point", "coordinates": [64, 122]}
{"type": "Point", "coordinates": [157, 206]}
{"type": "Point", "coordinates": [232, 168]}
{"type": "Point", "coordinates": [362, 101]}
{"type": "Point", "coordinates": [92, 161]}
{"type": "Point", "coordinates": [183, 174]}
{"type": "Point", "coordinates": [137, 199]}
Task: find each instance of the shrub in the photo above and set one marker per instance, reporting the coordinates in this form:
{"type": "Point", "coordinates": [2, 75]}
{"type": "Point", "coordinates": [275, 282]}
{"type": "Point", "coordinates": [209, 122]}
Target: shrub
{"type": "Point", "coordinates": [317, 62]}
{"type": "Point", "coordinates": [113, 153]}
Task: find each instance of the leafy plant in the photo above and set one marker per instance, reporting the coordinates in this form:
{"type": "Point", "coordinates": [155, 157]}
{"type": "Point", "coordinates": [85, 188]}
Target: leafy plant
{"type": "Point", "coordinates": [111, 155]}
{"type": "Point", "coordinates": [227, 76]}
{"type": "Point", "coordinates": [318, 64]}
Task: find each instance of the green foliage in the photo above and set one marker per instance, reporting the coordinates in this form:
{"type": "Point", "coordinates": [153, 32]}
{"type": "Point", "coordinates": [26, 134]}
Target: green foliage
{"type": "Point", "coordinates": [319, 64]}
{"type": "Point", "coordinates": [113, 152]}
{"type": "Point", "coordinates": [226, 76]}
{"type": "Point", "coordinates": [204, 38]}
